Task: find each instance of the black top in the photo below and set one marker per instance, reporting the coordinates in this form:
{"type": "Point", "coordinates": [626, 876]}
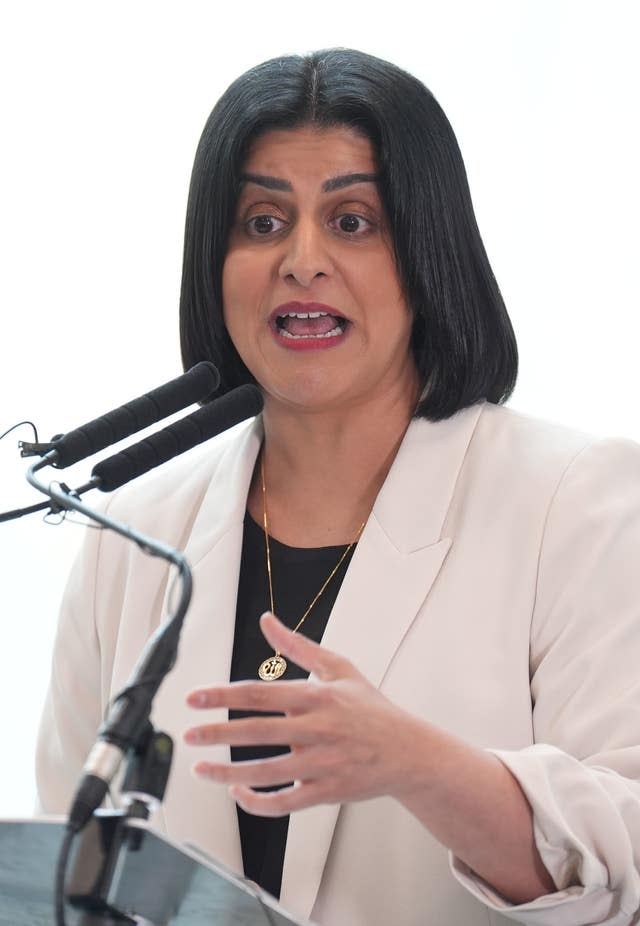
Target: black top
{"type": "Point", "coordinates": [297, 575]}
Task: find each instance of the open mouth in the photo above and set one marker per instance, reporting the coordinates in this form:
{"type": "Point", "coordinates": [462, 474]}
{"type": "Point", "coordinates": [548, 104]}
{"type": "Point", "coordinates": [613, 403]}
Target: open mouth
{"type": "Point", "coordinates": [317, 325]}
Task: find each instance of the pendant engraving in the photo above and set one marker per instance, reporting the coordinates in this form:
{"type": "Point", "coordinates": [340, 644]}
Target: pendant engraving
{"type": "Point", "coordinates": [272, 668]}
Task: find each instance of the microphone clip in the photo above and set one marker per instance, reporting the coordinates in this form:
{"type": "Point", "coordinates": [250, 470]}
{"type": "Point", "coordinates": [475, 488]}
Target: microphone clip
{"type": "Point", "coordinates": [34, 449]}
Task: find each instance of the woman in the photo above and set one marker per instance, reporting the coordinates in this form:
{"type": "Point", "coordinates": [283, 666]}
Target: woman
{"type": "Point", "coordinates": [468, 570]}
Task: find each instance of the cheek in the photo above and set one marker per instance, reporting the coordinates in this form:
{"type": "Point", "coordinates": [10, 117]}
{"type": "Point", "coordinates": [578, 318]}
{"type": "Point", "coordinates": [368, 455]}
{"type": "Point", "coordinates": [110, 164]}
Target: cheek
{"type": "Point", "coordinates": [378, 277]}
{"type": "Point", "coordinates": [388, 312]}
{"type": "Point", "coordinates": [231, 287]}
{"type": "Point", "coordinates": [244, 286]}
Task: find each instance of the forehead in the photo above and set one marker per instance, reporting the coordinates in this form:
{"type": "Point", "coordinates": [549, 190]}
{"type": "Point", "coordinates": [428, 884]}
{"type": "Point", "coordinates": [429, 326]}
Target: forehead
{"type": "Point", "coordinates": [311, 151]}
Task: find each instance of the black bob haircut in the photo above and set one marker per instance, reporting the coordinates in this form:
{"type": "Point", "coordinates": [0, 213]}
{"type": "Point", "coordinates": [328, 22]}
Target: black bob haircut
{"type": "Point", "coordinates": [462, 339]}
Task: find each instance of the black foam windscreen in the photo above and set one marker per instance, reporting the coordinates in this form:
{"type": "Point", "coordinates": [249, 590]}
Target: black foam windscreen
{"type": "Point", "coordinates": [193, 386]}
{"type": "Point", "coordinates": [219, 415]}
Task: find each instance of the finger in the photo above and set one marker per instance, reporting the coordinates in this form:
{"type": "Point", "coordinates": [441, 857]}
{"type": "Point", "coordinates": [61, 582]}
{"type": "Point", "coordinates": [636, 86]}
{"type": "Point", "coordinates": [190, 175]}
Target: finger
{"type": "Point", "coordinates": [286, 800]}
{"type": "Point", "coordinates": [296, 695]}
{"type": "Point", "coordinates": [255, 773]}
{"type": "Point", "coordinates": [253, 731]}
{"type": "Point", "coordinates": [303, 651]}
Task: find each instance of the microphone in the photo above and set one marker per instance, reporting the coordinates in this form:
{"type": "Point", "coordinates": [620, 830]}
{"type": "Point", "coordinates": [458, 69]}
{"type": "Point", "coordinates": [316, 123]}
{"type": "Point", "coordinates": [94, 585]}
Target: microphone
{"type": "Point", "coordinates": [128, 717]}
{"type": "Point", "coordinates": [215, 417]}
{"type": "Point", "coordinates": [127, 722]}
{"type": "Point", "coordinates": [193, 386]}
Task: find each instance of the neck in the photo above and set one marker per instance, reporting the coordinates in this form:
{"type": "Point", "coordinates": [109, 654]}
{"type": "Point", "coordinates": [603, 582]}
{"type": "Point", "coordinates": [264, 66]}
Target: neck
{"type": "Point", "coordinates": [324, 470]}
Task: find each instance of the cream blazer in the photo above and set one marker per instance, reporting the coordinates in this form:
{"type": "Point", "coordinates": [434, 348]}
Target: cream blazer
{"type": "Point", "coordinates": [495, 591]}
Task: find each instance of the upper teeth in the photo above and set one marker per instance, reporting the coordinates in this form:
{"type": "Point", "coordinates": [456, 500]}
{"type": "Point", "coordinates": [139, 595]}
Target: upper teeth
{"type": "Point", "coordinates": [304, 314]}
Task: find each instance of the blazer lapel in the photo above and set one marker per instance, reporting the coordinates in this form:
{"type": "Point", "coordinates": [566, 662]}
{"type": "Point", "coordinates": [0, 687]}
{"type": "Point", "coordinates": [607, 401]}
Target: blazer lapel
{"type": "Point", "coordinates": [392, 571]}
{"type": "Point", "coordinates": [208, 818]}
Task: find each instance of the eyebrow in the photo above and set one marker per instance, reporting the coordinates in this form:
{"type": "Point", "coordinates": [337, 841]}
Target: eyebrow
{"type": "Point", "coordinates": [329, 186]}
{"type": "Point", "coordinates": [337, 183]}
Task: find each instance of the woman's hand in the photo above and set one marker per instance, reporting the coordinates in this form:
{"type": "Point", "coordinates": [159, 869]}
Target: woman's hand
{"type": "Point", "coordinates": [347, 741]}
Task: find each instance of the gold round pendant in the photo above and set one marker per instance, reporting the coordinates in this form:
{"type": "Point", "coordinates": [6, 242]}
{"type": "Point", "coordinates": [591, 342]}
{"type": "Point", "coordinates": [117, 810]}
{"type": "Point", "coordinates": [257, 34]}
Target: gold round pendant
{"type": "Point", "coordinates": [272, 668]}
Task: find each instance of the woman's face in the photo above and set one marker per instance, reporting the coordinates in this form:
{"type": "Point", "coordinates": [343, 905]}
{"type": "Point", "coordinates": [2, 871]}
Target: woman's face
{"type": "Point", "coordinates": [312, 299]}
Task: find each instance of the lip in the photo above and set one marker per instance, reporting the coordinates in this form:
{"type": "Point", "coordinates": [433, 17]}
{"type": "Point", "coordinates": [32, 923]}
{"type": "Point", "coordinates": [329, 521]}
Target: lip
{"type": "Point", "coordinates": [287, 307]}
{"type": "Point", "coordinates": [307, 344]}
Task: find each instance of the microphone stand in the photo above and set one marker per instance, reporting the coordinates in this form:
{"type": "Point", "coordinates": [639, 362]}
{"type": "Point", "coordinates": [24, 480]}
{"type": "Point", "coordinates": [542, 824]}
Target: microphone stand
{"type": "Point", "coordinates": [127, 731]}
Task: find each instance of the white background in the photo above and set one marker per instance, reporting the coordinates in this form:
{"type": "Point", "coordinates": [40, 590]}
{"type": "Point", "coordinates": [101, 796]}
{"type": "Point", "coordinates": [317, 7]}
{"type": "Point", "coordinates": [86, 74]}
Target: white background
{"type": "Point", "coordinates": [102, 108]}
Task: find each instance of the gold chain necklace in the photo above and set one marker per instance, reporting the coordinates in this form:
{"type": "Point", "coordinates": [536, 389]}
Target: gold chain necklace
{"type": "Point", "coordinates": [275, 666]}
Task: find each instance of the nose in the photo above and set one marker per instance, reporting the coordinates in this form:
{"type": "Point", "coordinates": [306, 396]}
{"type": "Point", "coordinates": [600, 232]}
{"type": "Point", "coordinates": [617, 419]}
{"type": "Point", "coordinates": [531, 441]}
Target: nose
{"type": "Point", "coordinates": [306, 257]}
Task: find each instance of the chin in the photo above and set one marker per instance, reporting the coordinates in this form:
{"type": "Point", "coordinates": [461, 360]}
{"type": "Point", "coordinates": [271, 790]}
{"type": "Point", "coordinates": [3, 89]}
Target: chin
{"type": "Point", "coordinates": [308, 396]}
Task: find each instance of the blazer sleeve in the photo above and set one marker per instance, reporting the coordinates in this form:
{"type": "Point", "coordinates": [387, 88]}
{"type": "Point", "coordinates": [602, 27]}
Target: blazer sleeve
{"type": "Point", "coordinates": [73, 708]}
{"type": "Point", "coordinates": [582, 775]}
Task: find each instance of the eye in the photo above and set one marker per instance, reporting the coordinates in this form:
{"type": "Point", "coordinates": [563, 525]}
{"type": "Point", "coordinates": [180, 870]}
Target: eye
{"type": "Point", "coordinates": [352, 224]}
{"type": "Point", "coordinates": [264, 225]}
